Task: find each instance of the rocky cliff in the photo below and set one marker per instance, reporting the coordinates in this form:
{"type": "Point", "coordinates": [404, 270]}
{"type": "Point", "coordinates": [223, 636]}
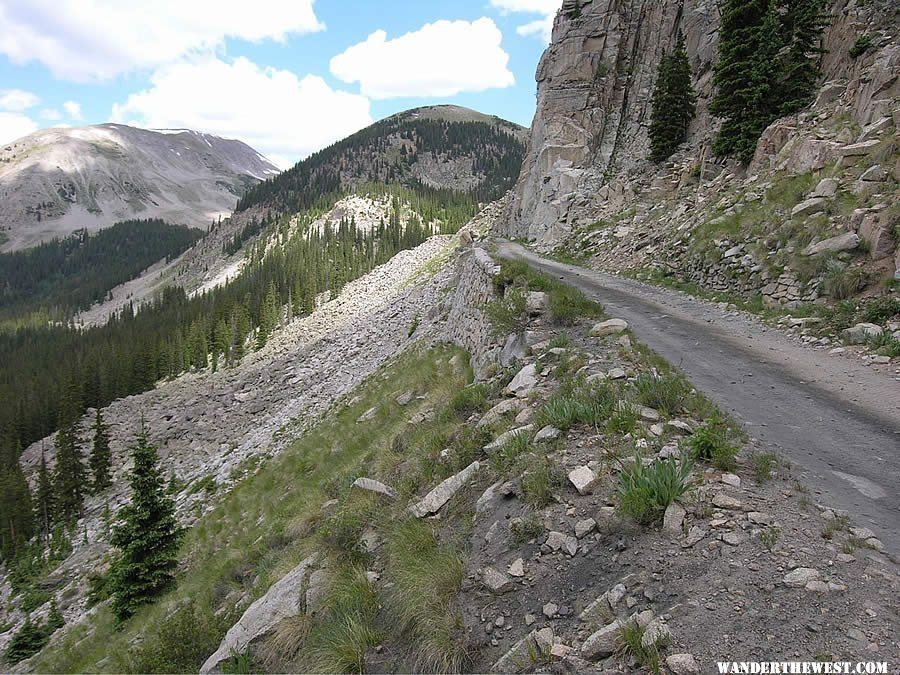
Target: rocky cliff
{"type": "Point", "coordinates": [589, 139]}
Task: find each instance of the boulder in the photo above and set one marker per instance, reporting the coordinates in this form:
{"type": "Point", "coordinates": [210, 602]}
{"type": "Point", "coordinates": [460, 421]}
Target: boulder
{"type": "Point", "coordinates": [548, 433]}
{"type": "Point", "coordinates": [874, 173]}
{"type": "Point", "coordinates": [799, 577]}
{"type": "Point", "coordinates": [682, 664]}
{"type": "Point", "coordinates": [826, 188]}
{"type": "Point", "coordinates": [609, 327]}
{"type": "Point", "coordinates": [525, 653]}
{"type": "Point", "coordinates": [514, 349]}
{"type": "Point", "coordinates": [536, 302]}
{"type": "Point", "coordinates": [375, 487]}
{"type": "Point", "coordinates": [584, 527]}
{"type": "Point", "coordinates": [603, 642]}
{"type": "Point", "coordinates": [842, 242]}
{"type": "Point", "coordinates": [507, 436]}
{"type": "Point", "coordinates": [557, 541]}
{"type": "Point", "coordinates": [858, 149]}
{"type": "Point", "coordinates": [496, 413]}
{"type": "Point", "coordinates": [809, 207]}
{"type": "Point", "coordinates": [877, 230]}
{"type": "Point", "coordinates": [284, 599]}
{"type": "Point", "coordinates": [434, 501]}
{"type": "Point", "coordinates": [860, 333]}
{"type": "Point", "coordinates": [368, 415]}
{"type": "Point", "coordinates": [524, 381]}
{"type": "Point", "coordinates": [673, 519]}
{"type": "Point", "coordinates": [495, 581]}
{"type": "Point", "coordinates": [584, 480]}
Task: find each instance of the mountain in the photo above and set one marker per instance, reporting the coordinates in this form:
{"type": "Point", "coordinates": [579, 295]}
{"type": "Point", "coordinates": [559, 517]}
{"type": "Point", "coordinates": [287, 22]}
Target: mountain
{"type": "Point", "coordinates": [436, 147]}
{"type": "Point", "coordinates": [56, 181]}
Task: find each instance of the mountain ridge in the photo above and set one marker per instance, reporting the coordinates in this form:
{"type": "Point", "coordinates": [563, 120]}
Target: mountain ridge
{"type": "Point", "coordinates": [59, 180]}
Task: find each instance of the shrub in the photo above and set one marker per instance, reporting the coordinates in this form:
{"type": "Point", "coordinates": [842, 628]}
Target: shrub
{"type": "Point", "coordinates": [183, 641]}
{"type": "Point", "coordinates": [507, 314]}
{"type": "Point", "coordinates": [28, 641]}
{"type": "Point", "coordinates": [841, 282]}
{"type": "Point", "coordinates": [632, 639]}
{"type": "Point", "coordinates": [646, 491]}
{"type": "Point", "coordinates": [763, 463]}
{"type": "Point", "coordinates": [666, 393]}
{"type": "Point", "coordinates": [879, 310]}
{"type": "Point", "coordinates": [770, 536]}
{"type": "Point", "coordinates": [417, 561]}
{"type": "Point", "coordinates": [710, 443]}
{"type": "Point", "coordinates": [863, 44]}
{"type": "Point", "coordinates": [568, 304]}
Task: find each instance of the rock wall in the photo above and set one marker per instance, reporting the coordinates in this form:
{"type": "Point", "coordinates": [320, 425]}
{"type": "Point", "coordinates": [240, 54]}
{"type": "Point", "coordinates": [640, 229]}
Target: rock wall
{"type": "Point", "coordinates": [589, 138]}
{"type": "Point", "coordinates": [467, 324]}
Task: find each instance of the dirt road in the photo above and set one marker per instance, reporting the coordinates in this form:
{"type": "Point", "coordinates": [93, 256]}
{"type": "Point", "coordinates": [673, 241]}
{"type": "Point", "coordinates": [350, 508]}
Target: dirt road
{"type": "Point", "coordinates": [834, 417]}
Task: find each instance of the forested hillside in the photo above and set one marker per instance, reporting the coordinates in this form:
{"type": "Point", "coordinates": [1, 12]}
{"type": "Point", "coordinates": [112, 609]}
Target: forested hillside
{"type": "Point", "coordinates": [62, 276]}
{"type": "Point", "coordinates": [478, 158]}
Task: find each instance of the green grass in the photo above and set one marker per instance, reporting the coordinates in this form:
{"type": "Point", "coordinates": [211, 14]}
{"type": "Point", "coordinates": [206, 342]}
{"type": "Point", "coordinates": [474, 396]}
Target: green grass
{"type": "Point", "coordinates": [541, 477]}
{"type": "Point", "coordinates": [665, 393]}
{"type": "Point", "coordinates": [763, 464]}
{"type": "Point", "coordinates": [471, 399]}
{"type": "Point", "coordinates": [577, 404]}
{"type": "Point", "coordinates": [250, 540]}
{"type": "Point", "coordinates": [645, 491]}
{"type": "Point", "coordinates": [423, 577]}
{"type": "Point", "coordinates": [632, 636]}
{"type": "Point", "coordinates": [710, 443]}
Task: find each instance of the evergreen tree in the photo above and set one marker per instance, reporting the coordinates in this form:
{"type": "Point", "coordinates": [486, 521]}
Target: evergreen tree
{"type": "Point", "coordinates": [45, 501]}
{"type": "Point", "coordinates": [768, 66]}
{"type": "Point", "coordinates": [17, 524]}
{"type": "Point", "coordinates": [69, 479]}
{"type": "Point", "coordinates": [674, 103]}
{"type": "Point", "coordinates": [101, 456]}
{"type": "Point", "coordinates": [738, 43]}
{"type": "Point", "coordinates": [146, 535]}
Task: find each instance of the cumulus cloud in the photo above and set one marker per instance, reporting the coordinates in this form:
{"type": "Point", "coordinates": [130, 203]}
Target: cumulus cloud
{"type": "Point", "coordinates": [51, 114]}
{"type": "Point", "coordinates": [283, 116]}
{"type": "Point", "coordinates": [541, 28]}
{"type": "Point", "coordinates": [73, 109]}
{"type": "Point", "coordinates": [88, 41]}
{"type": "Point", "coordinates": [443, 58]}
{"type": "Point", "coordinates": [17, 100]}
{"type": "Point", "coordinates": [14, 125]}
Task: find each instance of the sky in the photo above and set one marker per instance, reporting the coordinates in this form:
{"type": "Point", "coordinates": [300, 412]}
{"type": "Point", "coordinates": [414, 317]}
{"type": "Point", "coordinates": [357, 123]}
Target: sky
{"type": "Point", "coordinates": [286, 76]}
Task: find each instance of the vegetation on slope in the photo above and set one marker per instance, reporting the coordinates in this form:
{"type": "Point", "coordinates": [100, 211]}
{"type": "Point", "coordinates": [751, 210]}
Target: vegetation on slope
{"type": "Point", "coordinates": [62, 276]}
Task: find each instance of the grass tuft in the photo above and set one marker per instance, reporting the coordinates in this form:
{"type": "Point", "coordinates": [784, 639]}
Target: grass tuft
{"type": "Point", "coordinates": [665, 393]}
{"type": "Point", "coordinates": [646, 491]}
{"type": "Point", "coordinates": [710, 443]}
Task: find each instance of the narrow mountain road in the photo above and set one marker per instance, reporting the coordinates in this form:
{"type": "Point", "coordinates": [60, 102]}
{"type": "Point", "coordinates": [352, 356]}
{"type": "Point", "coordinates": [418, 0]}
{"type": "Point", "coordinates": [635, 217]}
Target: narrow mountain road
{"type": "Point", "coordinates": [836, 418]}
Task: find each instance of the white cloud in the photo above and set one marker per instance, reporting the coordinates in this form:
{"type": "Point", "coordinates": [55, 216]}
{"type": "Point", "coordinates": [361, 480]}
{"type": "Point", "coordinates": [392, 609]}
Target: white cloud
{"type": "Point", "coordinates": [98, 39]}
{"type": "Point", "coordinates": [73, 109]}
{"type": "Point", "coordinates": [51, 114]}
{"type": "Point", "coordinates": [541, 28]}
{"type": "Point", "coordinates": [443, 58]}
{"type": "Point", "coordinates": [13, 126]}
{"type": "Point", "coordinates": [274, 111]}
{"type": "Point", "coordinates": [17, 100]}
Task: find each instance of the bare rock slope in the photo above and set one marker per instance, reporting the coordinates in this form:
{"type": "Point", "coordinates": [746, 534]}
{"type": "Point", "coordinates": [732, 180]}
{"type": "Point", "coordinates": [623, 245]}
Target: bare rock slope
{"type": "Point", "coordinates": [56, 181]}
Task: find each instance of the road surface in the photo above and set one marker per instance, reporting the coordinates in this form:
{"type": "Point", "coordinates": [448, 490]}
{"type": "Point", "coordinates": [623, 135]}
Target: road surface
{"type": "Point", "coordinates": [834, 417]}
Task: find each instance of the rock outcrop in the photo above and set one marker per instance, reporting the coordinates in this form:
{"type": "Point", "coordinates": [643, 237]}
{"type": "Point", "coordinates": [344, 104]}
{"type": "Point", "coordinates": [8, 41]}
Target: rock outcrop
{"type": "Point", "coordinates": [589, 139]}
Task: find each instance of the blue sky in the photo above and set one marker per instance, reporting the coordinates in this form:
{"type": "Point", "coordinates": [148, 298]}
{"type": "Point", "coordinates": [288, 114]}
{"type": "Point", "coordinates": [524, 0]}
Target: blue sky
{"type": "Point", "coordinates": [286, 76]}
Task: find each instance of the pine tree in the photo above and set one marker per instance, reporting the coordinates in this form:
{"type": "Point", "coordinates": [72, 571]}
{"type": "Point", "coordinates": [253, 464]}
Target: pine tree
{"type": "Point", "coordinates": [146, 535]}
{"type": "Point", "coordinates": [45, 500]}
{"type": "Point", "coordinates": [805, 20]}
{"type": "Point", "coordinates": [738, 42]}
{"type": "Point", "coordinates": [16, 515]}
{"type": "Point", "coordinates": [768, 67]}
{"type": "Point", "coordinates": [674, 103]}
{"type": "Point", "coordinates": [69, 478]}
{"type": "Point", "coordinates": [101, 456]}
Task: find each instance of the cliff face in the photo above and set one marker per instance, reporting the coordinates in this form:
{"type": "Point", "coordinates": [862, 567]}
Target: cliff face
{"type": "Point", "coordinates": [589, 137]}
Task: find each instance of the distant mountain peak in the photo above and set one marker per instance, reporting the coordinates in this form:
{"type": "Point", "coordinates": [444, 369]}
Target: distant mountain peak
{"type": "Point", "coordinates": [62, 179]}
